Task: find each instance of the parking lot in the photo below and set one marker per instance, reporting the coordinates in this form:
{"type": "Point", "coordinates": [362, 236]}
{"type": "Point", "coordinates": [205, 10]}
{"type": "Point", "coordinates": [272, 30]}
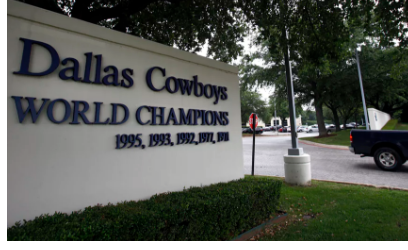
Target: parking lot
{"type": "Point", "coordinates": [327, 163]}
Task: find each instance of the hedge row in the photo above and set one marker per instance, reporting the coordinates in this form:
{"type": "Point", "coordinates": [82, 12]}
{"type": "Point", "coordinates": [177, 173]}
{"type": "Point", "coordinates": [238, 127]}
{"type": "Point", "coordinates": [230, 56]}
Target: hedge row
{"type": "Point", "coordinates": [216, 212]}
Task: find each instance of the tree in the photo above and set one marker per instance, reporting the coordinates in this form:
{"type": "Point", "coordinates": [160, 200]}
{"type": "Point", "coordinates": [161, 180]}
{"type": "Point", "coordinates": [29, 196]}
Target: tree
{"type": "Point", "coordinates": [385, 89]}
{"type": "Point", "coordinates": [186, 24]}
{"type": "Point", "coordinates": [304, 116]}
{"type": "Point", "coordinates": [316, 32]}
{"type": "Point", "coordinates": [320, 35]}
{"type": "Point", "coordinates": [341, 89]}
{"type": "Point", "coordinates": [404, 114]}
{"type": "Point", "coordinates": [282, 107]}
{"type": "Point", "coordinates": [267, 115]}
{"type": "Point", "coordinates": [251, 102]}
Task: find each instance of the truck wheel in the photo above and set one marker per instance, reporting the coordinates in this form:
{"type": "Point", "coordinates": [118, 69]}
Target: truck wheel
{"type": "Point", "coordinates": [387, 159]}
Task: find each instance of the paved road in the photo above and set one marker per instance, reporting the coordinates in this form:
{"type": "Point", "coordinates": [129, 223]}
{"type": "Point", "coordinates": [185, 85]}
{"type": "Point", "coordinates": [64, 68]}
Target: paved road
{"type": "Point", "coordinates": [327, 164]}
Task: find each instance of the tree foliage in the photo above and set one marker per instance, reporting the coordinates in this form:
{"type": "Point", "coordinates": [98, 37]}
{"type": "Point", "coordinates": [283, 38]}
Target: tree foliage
{"type": "Point", "coordinates": [321, 41]}
{"type": "Point", "coordinates": [251, 102]}
{"type": "Point", "coordinates": [186, 24]}
{"type": "Point", "coordinates": [385, 90]}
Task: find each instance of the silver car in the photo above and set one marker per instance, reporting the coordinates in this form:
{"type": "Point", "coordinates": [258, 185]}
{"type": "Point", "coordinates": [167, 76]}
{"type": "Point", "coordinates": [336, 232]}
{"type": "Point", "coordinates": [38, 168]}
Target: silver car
{"type": "Point", "coordinates": [302, 129]}
{"type": "Point", "coordinates": [313, 128]}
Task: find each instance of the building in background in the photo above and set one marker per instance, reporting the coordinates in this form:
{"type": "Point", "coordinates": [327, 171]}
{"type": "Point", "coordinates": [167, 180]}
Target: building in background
{"type": "Point", "coordinates": [277, 121]}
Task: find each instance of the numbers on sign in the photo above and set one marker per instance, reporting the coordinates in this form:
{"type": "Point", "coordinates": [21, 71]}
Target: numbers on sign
{"type": "Point", "coordinates": [131, 140]}
{"type": "Point", "coordinates": [203, 137]}
{"type": "Point", "coordinates": [223, 136]}
{"type": "Point", "coordinates": [135, 140]}
{"type": "Point", "coordinates": [122, 140]}
{"type": "Point", "coordinates": [181, 137]}
{"type": "Point", "coordinates": [168, 139]}
{"type": "Point", "coordinates": [160, 139]}
{"type": "Point", "coordinates": [139, 140]}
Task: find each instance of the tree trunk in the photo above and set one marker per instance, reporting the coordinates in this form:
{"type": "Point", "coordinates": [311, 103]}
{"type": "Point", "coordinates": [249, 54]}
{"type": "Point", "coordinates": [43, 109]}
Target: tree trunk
{"type": "Point", "coordinates": [319, 111]}
{"type": "Point", "coordinates": [344, 123]}
{"type": "Point", "coordinates": [336, 119]}
{"type": "Point", "coordinates": [320, 119]}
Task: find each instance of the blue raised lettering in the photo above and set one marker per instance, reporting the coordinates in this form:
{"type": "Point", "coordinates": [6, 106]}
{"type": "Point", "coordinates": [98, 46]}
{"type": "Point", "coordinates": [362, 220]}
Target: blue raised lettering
{"type": "Point", "coordinates": [138, 118]}
{"type": "Point", "coordinates": [80, 113]}
{"type": "Point", "coordinates": [114, 113]}
{"type": "Point", "coordinates": [25, 60]}
{"type": "Point", "coordinates": [75, 70]}
{"type": "Point", "coordinates": [149, 78]}
{"type": "Point", "coordinates": [127, 77]}
{"type": "Point", "coordinates": [88, 63]}
{"type": "Point", "coordinates": [50, 111]}
{"type": "Point", "coordinates": [154, 115]}
{"type": "Point", "coordinates": [30, 109]}
{"type": "Point", "coordinates": [97, 114]}
{"type": "Point", "coordinates": [172, 116]}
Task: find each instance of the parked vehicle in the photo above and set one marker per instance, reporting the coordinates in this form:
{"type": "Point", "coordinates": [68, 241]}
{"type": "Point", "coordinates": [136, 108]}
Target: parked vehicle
{"type": "Point", "coordinates": [283, 129]}
{"type": "Point", "coordinates": [313, 128]}
{"type": "Point", "coordinates": [288, 129]}
{"type": "Point", "coordinates": [246, 130]}
{"type": "Point", "coordinates": [389, 148]}
{"type": "Point", "coordinates": [267, 129]}
{"type": "Point", "coordinates": [331, 128]}
{"type": "Point", "coordinates": [258, 130]}
{"type": "Point", "coordinates": [302, 128]}
{"type": "Point", "coordinates": [348, 126]}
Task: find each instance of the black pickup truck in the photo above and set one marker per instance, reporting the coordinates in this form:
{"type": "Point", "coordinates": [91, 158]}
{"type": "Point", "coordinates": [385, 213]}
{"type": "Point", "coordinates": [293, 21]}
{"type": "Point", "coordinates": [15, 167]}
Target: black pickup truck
{"type": "Point", "coordinates": [389, 148]}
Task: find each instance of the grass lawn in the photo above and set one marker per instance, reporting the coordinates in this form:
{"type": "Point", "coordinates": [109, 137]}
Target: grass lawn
{"type": "Point", "coordinates": [390, 125]}
{"type": "Point", "coordinates": [341, 138]}
{"type": "Point", "coordinates": [341, 212]}
{"type": "Point", "coordinates": [394, 125]}
{"type": "Point", "coordinates": [401, 126]}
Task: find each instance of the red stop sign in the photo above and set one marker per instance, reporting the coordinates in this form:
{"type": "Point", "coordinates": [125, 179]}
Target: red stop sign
{"type": "Point", "coordinates": [251, 121]}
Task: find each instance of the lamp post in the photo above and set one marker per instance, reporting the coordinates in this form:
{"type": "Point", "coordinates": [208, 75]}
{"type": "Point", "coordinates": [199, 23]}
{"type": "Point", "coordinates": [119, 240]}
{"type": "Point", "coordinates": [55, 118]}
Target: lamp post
{"type": "Point", "coordinates": [362, 91]}
{"type": "Point", "coordinates": [297, 164]}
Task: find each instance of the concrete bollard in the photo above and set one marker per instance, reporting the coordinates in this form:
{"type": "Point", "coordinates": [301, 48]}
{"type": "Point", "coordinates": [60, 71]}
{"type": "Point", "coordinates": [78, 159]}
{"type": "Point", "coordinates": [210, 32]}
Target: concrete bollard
{"type": "Point", "coordinates": [298, 170]}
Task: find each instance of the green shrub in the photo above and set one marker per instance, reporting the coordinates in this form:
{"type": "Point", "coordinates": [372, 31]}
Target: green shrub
{"type": "Point", "coordinates": [217, 212]}
{"type": "Point", "coordinates": [390, 124]}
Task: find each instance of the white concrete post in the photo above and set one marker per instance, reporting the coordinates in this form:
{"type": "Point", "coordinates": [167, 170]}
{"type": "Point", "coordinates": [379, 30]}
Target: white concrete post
{"type": "Point", "coordinates": [297, 169]}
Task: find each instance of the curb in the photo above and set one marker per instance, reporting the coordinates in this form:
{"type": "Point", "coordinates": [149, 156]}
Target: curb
{"type": "Point", "coordinates": [323, 145]}
{"type": "Point", "coordinates": [256, 230]}
{"type": "Point", "coordinates": [348, 183]}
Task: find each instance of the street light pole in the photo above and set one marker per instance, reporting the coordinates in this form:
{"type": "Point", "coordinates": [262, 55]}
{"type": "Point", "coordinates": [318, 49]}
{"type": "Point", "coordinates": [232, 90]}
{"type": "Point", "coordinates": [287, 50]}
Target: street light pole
{"type": "Point", "coordinates": [362, 91]}
{"type": "Point", "coordinates": [292, 111]}
{"type": "Point", "coordinates": [297, 164]}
